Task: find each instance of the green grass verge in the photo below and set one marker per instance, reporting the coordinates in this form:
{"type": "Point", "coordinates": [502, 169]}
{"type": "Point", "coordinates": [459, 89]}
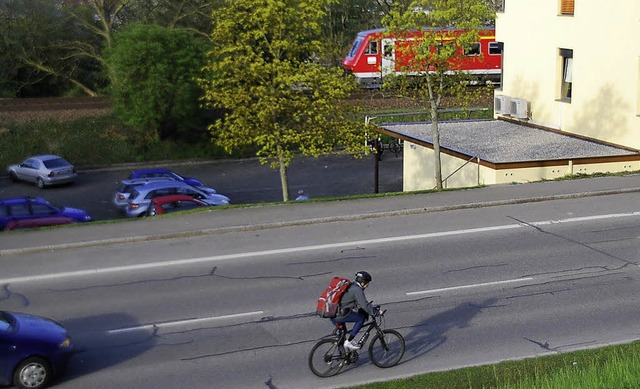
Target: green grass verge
{"type": "Point", "coordinates": [91, 141]}
{"type": "Point", "coordinates": [611, 367]}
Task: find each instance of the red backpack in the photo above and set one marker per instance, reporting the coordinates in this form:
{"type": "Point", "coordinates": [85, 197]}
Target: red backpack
{"type": "Point", "coordinates": [329, 301]}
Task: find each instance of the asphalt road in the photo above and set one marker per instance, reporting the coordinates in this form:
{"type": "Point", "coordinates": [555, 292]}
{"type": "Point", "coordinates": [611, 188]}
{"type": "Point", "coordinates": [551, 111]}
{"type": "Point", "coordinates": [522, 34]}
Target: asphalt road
{"type": "Point", "coordinates": [244, 181]}
{"type": "Point", "coordinates": [233, 309]}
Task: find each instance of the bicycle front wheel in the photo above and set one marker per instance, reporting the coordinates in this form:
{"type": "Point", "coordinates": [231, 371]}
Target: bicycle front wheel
{"type": "Point", "coordinates": [386, 348]}
{"type": "Point", "coordinates": [325, 359]}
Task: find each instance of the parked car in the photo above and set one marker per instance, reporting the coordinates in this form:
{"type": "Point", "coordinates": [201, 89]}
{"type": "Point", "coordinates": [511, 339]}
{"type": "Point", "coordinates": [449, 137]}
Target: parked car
{"type": "Point", "coordinates": [166, 173]}
{"type": "Point", "coordinates": [126, 186]}
{"type": "Point", "coordinates": [44, 170]}
{"type": "Point", "coordinates": [173, 203]}
{"type": "Point", "coordinates": [141, 196]}
{"type": "Point", "coordinates": [26, 208]}
{"type": "Point", "coordinates": [35, 350]}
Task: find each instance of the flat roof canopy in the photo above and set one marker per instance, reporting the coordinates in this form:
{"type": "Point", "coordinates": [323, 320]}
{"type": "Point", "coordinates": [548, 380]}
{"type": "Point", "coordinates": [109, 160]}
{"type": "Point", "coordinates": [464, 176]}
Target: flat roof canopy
{"type": "Point", "coordinates": [506, 141]}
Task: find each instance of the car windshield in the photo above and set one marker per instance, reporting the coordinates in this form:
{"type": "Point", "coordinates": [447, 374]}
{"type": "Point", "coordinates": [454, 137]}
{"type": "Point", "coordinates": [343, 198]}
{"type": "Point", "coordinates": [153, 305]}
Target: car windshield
{"type": "Point", "coordinates": [6, 322]}
{"type": "Point", "coordinates": [54, 163]}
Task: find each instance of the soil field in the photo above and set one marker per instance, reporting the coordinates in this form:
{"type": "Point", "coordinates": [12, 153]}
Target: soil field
{"type": "Point", "coordinates": [63, 108]}
{"type": "Point", "coordinates": [67, 108]}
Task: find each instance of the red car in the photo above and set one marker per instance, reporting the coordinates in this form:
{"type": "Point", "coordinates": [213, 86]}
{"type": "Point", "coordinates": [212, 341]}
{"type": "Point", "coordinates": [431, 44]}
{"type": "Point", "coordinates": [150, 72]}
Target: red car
{"type": "Point", "coordinates": [16, 224]}
{"type": "Point", "coordinates": [172, 203]}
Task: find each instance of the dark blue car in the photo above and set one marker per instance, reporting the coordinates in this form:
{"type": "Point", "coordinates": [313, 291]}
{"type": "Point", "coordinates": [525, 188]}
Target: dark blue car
{"type": "Point", "coordinates": [22, 208]}
{"type": "Point", "coordinates": [33, 350]}
{"type": "Point", "coordinates": [162, 172]}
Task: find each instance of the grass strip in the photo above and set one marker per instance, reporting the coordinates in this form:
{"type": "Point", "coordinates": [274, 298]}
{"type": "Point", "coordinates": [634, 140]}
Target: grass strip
{"type": "Point", "coordinates": [598, 368]}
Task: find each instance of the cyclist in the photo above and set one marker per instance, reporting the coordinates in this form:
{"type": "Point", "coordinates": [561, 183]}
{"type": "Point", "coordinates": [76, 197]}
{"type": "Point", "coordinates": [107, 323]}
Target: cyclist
{"type": "Point", "coordinates": [354, 308]}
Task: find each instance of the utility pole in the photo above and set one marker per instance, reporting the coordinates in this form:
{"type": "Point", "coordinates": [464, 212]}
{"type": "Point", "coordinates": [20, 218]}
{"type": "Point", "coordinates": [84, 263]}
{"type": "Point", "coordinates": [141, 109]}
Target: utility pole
{"type": "Point", "coordinates": [376, 157]}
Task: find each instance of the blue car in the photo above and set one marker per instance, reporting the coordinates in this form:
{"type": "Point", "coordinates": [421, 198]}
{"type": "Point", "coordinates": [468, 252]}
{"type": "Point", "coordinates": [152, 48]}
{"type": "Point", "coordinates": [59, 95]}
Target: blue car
{"type": "Point", "coordinates": [22, 208]}
{"type": "Point", "coordinates": [166, 173]}
{"type": "Point", "coordinates": [33, 350]}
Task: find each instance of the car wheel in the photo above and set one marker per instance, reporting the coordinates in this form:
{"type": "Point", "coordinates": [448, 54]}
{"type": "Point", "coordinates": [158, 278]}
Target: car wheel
{"type": "Point", "coordinates": [14, 176]}
{"type": "Point", "coordinates": [40, 183]}
{"type": "Point", "coordinates": [32, 373]}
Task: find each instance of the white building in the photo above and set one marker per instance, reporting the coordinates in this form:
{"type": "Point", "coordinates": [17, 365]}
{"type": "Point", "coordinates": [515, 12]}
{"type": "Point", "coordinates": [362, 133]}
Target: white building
{"type": "Point", "coordinates": [571, 74]}
{"type": "Point", "coordinates": [577, 65]}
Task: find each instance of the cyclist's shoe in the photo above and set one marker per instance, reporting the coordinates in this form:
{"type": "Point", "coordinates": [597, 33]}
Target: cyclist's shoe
{"type": "Point", "coordinates": [351, 345]}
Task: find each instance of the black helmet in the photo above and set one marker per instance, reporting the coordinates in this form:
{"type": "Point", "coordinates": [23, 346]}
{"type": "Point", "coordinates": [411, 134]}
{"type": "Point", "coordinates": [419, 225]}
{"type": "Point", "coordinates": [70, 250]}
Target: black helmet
{"type": "Point", "coordinates": [362, 277]}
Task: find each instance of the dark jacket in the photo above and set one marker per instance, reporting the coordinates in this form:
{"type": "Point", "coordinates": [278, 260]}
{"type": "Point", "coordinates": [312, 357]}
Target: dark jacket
{"type": "Point", "coordinates": [353, 299]}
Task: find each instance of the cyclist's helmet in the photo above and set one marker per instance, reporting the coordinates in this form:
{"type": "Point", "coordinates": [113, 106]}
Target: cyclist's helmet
{"type": "Point", "coordinates": [362, 277]}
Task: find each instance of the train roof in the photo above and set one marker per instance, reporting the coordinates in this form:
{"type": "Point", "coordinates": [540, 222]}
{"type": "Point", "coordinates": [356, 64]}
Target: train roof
{"type": "Point", "coordinates": [382, 29]}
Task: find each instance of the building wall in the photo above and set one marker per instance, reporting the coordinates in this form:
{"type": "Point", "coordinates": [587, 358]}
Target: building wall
{"type": "Point", "coordinates": [418, 170]}
{"type": "Point", "coordinates": [419, 174]}
{"type": "Point", "coordinates": [605, 102]}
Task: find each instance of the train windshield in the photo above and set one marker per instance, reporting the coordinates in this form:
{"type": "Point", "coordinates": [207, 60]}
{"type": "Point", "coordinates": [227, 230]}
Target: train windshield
{"type": "Point", "coordinates": [354, 47]}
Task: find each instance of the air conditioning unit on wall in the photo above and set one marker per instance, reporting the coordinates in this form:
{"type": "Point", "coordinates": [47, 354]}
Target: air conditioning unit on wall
{"type": "Point", "coordinates": [502, 105]}
{"type": "Point", "coordinates": [520, 108]}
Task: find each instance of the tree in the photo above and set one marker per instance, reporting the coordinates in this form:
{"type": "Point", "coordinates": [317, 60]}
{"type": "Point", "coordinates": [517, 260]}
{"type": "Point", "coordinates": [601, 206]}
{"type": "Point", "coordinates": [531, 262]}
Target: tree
{"type": "Point", "coordinates": [40, 49]}
{"type": "Point", "coordinates": [55, 47]}
{"type": "Point", "coordinates": [153, 77]}
{"type": "Point", "coordinates": [278, 100]}
{"type": "Point", "coordinates": [448, 26]}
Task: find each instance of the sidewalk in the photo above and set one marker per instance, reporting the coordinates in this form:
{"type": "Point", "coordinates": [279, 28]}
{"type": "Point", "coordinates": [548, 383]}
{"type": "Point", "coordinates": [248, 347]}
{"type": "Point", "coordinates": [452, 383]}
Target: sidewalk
{"type": "Point", "coordinates": [301, 213]}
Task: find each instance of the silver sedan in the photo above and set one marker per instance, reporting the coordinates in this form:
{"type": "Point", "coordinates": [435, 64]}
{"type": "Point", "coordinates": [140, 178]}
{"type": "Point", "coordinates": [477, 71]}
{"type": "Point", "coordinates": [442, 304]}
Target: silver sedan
{"type": "Point", "coordinates": [44, 170]}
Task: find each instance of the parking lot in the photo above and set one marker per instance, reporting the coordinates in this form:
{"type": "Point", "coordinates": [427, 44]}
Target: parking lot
{"type": "Point", "coordinates": [243, 181]}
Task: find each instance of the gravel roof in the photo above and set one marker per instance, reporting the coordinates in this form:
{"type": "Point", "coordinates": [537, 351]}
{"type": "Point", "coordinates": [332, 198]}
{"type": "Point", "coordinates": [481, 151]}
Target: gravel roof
{"type": "Point", "coordinates": [500, 141]}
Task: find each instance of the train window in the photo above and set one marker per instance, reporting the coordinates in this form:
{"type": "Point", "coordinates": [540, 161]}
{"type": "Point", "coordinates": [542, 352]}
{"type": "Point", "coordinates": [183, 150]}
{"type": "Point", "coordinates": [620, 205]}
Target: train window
{"type": "Point", "coordinates": [495, 48]}
{"type": "Point", "coordinates": [472, 49]}
{"type": "Point", "coordinates": [354, 48]}
{"type": "Point", "coordinates": [372, 48]}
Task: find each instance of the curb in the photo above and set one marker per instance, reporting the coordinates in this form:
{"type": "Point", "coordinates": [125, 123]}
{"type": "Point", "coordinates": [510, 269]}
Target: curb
{"type": "Point", "coordinates": [304, 222]}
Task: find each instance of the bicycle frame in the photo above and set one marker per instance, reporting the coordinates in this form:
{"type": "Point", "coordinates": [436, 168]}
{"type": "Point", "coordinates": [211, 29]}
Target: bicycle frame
{"type": "Point", "coordinates": [367, 327]}
{"type": "Point", "coordinates": [328, 356]}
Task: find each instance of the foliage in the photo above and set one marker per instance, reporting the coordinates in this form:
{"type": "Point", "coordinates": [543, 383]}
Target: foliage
{"type": "Point", "coordinates": [345, 19]}
{"type": "Point", "coordinates": [192, 15]}
{"type": "Point", "coordinates": [55, 47]}
{"type": "Point", "coordinates": [446, 26]}
{"type": "Point", "coordinates": [277, 98]}
{"type": "Point", "coordinates": [44, 50]}
{"type": "Point", "coordinates": [153, 80]}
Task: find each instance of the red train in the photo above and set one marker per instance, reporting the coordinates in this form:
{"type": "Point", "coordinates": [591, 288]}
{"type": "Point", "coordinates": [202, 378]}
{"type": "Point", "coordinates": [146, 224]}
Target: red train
{"type": "Point", "coordinates": [374, 55]}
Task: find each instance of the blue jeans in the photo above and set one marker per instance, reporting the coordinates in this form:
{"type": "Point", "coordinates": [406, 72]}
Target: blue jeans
{"type": "Point", "coordinates": [353, 317]}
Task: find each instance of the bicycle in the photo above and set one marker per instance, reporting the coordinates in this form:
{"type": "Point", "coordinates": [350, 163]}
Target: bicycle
{"type": "Point", "coordinates": [328, 356]}
{"type": "Point", "coordinates": [396, 146]}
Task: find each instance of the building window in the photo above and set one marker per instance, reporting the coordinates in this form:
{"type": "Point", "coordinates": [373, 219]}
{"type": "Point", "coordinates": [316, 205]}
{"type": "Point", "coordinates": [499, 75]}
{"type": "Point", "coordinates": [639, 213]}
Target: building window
{"type": "Point", "coordinates": [638, 90]}
{"type": "Point", "coordinates": [566, 7]}
{"type": "Point", "coordinates": [499, 47]}
{"type": "Point", "coordinates": [566, 83]}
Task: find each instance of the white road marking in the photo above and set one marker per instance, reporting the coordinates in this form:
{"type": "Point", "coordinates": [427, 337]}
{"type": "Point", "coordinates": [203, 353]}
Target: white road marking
{"type": "Point", "coordinates": [404, 238]}
{"type": "Point", "coordinates": [182, 323]}
{"type": "Point", "coordinates": [454, 288]}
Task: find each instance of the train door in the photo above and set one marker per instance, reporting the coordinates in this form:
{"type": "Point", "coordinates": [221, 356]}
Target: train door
{"type": "Point", "coordinates": [388, 62]}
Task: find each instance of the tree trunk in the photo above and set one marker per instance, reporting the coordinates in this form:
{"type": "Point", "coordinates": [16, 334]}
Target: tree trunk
{"type": "Point", "coordinates": [435, 135]}
{"type": "Point", "coordinates": [284, 179]}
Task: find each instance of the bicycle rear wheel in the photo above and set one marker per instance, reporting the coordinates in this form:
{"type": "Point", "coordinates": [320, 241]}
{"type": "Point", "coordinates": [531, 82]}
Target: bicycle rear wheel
{"type": "Point", "coordinates": [325, 358]}
{"type": "Point", "coordinates": [386, 348]}
{"type": "Point", "coordinates": [395, 146]}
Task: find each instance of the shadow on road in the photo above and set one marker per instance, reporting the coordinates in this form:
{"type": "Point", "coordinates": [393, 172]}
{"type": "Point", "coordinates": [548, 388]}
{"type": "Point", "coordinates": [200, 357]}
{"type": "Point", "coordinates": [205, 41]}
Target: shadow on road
{"type": "Point", "coordinates": [431, 333]}
{"type": "Point", "coordinates": [98, 348]}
